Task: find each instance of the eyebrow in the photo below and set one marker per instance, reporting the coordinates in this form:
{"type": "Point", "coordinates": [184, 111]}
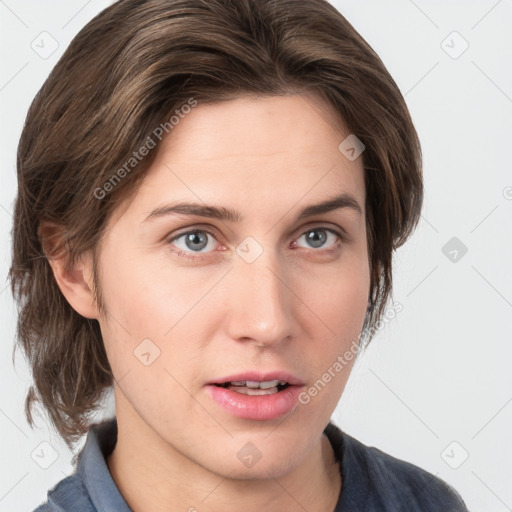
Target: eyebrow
{"type": "Point", "coordinates": [227, 214]}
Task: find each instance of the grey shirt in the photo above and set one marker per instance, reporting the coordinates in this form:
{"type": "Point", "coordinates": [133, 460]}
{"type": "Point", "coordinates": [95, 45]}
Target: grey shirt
{"type": "Point", "coordinates": [373, 481]}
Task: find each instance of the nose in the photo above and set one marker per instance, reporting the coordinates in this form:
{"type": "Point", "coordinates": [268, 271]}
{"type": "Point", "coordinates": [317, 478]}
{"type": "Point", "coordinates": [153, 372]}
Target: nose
{"type": "Point", "coordinates": [261, 302]}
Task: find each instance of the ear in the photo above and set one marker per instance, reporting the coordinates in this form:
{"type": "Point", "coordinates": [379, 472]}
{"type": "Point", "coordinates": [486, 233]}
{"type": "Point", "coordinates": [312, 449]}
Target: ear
{"type": "Point", "coordinates": [75, 280]}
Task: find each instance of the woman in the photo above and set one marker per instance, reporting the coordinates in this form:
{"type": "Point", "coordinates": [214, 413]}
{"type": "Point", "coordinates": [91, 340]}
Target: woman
{"type": "Point", "coordinates": [271, 135]}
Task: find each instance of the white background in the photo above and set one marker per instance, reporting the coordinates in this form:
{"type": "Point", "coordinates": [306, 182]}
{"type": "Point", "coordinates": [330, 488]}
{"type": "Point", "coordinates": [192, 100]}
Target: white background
{"type": "Point", "coordinates": [435, 384]}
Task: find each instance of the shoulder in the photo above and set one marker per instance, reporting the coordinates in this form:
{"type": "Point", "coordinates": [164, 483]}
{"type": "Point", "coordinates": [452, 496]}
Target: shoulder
{"type": "Point", "coordinates": [379, 481]}
{"type": "Point", "coordinates": [91, 487]}
{"type": "Point", "coordinates": [67, 495]}
{"type": "Point", "coordinates": [400, 482]}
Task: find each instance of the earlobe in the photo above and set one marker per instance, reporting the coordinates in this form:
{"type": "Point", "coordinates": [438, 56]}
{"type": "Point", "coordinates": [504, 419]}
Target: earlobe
{"type": "Point", "coordinates": [74, 279]}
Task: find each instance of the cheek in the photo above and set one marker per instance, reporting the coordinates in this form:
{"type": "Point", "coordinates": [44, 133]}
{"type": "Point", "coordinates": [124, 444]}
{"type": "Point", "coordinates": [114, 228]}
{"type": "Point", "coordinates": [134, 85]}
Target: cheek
{"type": "Point", "coordinates": [338, 305]}
{"type": "Point", "coordinates": [340, 297]}
{"type": "Point", "coordinates": [149, 298]}
{"type": "Point", "coordinates": [151, 338]}
{"type": "Point", "coordinates": [155, 313]}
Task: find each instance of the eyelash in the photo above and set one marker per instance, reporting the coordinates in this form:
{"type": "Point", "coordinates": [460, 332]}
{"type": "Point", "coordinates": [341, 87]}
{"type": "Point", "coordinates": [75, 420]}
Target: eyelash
{"type": "Point", "coordinates": [198, 256]}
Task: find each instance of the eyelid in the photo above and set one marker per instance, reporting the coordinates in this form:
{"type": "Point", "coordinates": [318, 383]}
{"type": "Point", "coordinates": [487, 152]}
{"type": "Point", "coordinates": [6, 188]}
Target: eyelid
{"type": "Point", "coordinates": [190, 229]}
{"type": "Point", "coordinates": [329, 226]}
{"type": "Point", "coordinates": [336, 229]}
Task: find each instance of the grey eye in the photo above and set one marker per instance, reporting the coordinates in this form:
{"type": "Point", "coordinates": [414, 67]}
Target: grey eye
{"type": "Point", "coordinates": [317, 237]}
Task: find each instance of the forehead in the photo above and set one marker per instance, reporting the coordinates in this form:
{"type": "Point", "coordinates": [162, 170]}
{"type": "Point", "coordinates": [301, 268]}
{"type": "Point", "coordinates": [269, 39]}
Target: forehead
{"type": "Point", "coordinates": [256, 127]}
{"type": "Point", "coordinates": [253, 152]}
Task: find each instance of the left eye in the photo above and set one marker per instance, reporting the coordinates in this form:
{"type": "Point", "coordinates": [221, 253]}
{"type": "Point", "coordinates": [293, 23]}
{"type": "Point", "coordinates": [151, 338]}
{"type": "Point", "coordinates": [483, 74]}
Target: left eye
{"type": "Point", "coordinates": [197, 241]}
{"type": "Point", "coordinates": [318, 241]}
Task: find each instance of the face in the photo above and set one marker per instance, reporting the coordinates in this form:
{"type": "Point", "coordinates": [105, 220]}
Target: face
{"type": "Point", "coordinates": [227, 329]}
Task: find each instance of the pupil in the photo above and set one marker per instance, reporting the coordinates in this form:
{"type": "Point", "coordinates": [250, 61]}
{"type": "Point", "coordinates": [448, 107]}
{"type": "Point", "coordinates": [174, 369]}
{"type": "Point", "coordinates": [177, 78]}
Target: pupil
{"type": "Point", "coordinates": [312, 237]}
{"type": "Point", "coordinates": [197, 237]}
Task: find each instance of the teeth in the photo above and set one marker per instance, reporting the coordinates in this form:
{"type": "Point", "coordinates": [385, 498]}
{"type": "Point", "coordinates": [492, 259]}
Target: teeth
{"type": "Point", "coordinates": [254, 385]}
{"type": "Point", "coordinates": [269, 384]}
{"type": "Point", "coordinates": [258, 385]}
{"type": "Point", "coordinates": [251, 391]}
{"type": "Point", "coordinates": [268, 391]}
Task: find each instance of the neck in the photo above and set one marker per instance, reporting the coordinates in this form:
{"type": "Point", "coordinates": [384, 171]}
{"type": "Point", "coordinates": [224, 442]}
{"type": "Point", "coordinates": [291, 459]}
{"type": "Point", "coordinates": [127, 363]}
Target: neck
{"type": "Point", "coordinates": [152, 475]}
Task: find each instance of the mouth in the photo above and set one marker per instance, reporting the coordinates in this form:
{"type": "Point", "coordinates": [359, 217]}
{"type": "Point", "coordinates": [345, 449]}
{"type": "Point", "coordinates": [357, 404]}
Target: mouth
{"type": "Point", "coordinates": [257, 396]}
{"type": "Point", "coordinates": [255, 388]}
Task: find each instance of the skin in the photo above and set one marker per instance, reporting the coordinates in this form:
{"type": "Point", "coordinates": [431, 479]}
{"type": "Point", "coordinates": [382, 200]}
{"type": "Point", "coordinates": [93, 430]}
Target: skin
{"type": "Point", "coordinates": [297, 307]}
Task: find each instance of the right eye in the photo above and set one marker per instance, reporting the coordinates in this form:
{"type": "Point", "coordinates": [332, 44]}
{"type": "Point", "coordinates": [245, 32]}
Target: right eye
{"type": "Point", "coordinates": [191, 240]}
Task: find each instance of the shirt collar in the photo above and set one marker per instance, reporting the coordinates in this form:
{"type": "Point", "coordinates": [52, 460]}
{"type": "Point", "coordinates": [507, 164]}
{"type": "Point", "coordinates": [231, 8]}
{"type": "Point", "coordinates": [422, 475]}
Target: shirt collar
{"type": "Point", "coordinates": [93, 469]}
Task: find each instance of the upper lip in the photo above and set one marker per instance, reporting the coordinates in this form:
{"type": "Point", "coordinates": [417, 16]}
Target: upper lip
{"type": "Point", "coordinates": [256, 376]}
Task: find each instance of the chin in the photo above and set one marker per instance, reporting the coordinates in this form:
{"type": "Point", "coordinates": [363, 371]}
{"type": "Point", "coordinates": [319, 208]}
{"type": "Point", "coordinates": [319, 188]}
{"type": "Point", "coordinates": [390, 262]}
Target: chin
{"type": "Point", "coordinates": [248, 462]}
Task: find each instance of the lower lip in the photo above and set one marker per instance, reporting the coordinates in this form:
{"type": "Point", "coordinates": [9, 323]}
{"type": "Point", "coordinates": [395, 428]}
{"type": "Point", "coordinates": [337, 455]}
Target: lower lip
{"type": "Point", "coordinates": [256, 407]}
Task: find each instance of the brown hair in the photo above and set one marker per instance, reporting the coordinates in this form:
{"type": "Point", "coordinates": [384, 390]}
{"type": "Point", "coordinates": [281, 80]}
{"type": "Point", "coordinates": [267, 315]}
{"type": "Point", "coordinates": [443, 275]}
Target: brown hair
{"type": "Point", "coordinates": [124, 74]}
